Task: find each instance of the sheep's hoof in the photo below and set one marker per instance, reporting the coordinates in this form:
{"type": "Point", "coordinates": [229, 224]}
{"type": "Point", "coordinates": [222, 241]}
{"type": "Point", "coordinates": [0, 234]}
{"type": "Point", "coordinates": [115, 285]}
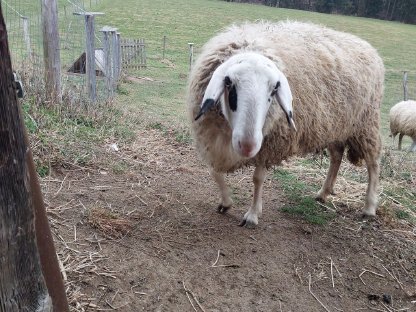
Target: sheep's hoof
{"type": "Point", "coordinates": [249, 221]}
{"type": "Point", "coordinates": [369, 213]}
{"type": "Point", "coordinates": [248, 224]}
{"type": "Point", "coordinates": [320, 199]}
{"type": "Point", "coordinates": [367, 216]}
{"type": "Point", "coordinates": [222, 209]}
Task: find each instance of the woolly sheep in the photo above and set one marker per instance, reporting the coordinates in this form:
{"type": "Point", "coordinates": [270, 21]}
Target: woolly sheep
{"type": "Point", "coordinates": [403, 122]}
{"type": "Point", "coordinates": [240, 96]}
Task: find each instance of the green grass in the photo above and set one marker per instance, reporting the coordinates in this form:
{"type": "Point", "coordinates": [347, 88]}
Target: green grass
{"type": "Point", "coordinates": [183, 21]}
{"type": "Point", "coordinates": [300, 201]}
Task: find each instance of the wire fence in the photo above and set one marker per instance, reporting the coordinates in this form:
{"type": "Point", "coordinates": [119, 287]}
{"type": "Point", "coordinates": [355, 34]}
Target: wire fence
{"type": "Point", "coordinates": [24, 25]}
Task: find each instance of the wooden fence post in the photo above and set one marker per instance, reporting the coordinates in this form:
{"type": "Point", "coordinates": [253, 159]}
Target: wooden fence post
{"type": "Point", "coordinates": [51, 55]}
{"type": "Point", "coordinates": [26, 35]}
{"type": "Point", "coordinates": [90, 56]}
{"type": "Point", "coordinates": [118, 54]}
{"type": "Point", "coordinates": [22, 282]}
{"type": "Point", "coordinates": [191, 55]}
{"type": "Point", "coordinates": [405, 94]}
{"type": "Point", "coordinates": [90, 53]}
{"type": "Point", "coordinates": [107, 59]}
{"type": "Point", "coordinates": [114, 58]}
{"type": "Point", "coordinates": [164, 46]}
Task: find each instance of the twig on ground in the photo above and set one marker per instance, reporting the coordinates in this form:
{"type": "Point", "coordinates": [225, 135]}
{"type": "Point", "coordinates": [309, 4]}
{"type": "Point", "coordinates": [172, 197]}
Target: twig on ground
{"type": "Point", "coordinates": [364, 271]}
{"type": "Point", "coordinates": [215, 265]}
{"type": "Point", "coordinates": [332, 274]}
{"type": "Point", "coordinates": [316, 298]}
{"type": "Point", "coordinates": [189, 297]}
{"type": "Point", "coordinates": [394, 277]}
{"type": "Point", "coordinates": [62, 185]}
{"type": "Point", "coordinates": [143, 202]}
{"type": "Point", "coordinates": [297, 274]}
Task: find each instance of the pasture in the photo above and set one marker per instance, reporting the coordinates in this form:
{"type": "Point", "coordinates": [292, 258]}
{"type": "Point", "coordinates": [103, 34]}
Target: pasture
{"type": "Point", "coordinates": [137, 230]}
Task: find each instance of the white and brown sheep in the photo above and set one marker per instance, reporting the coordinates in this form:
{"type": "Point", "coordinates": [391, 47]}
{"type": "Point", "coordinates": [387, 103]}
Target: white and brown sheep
{"type": "Point", "coordinates": [247, 79]}
{"type": "Point", "coordinates": [403, 122]}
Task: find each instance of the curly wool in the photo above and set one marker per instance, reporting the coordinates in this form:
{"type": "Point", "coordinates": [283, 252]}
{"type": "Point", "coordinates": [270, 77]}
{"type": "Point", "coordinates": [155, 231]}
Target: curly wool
{"type": "Point", "coordinates": [403, 119]}
{"type": "Point", "coordinates": [336, 81]}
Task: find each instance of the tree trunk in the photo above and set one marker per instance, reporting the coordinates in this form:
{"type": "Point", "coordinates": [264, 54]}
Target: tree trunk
{"type": "Point", "coordinates": [22, 286]}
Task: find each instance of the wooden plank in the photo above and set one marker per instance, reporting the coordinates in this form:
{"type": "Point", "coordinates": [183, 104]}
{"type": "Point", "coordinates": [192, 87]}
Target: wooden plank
{"type": "Point", "coordinates": [107, 63]}
{"type": "Point", "coordinates": [51, 55]}
{"type": "Point", "coordinates": [90, 57]}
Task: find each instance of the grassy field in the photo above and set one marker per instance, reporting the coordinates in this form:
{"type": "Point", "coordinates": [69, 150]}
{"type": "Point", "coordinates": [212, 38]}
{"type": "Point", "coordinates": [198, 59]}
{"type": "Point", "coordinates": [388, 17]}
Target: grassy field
{"type": "Point", "coordinates": [184, 21]}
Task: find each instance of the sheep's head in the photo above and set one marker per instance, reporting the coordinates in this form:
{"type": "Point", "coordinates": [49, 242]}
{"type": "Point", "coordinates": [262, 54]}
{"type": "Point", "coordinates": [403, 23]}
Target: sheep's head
{"type": "Point", "coordinates": [245, 86]}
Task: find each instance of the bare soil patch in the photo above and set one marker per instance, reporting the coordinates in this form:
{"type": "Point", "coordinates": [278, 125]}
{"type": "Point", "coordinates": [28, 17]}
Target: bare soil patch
{"type": "Point", "coordinates": [148, 238]}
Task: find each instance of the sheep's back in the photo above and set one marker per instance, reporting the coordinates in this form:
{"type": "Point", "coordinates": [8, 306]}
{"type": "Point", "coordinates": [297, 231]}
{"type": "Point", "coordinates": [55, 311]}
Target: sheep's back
{"type": "Point", "coordinates": [336, 81]}
{"type": "Point", "coordinates": [403, 118]}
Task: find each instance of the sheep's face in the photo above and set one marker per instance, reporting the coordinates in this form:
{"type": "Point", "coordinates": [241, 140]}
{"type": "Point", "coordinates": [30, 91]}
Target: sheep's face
{"type": "Point", "coordinates": [245, 85]}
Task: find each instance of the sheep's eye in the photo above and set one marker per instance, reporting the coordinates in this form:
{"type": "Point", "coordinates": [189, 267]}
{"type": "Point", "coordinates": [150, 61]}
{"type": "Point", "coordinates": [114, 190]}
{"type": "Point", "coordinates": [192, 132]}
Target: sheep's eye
{"type": "Point", "coordinates": [227, 82]}
{"type": "Point", "coordinates": [275, 88]}
{"type": "Point", "coordinates": [232, 99]}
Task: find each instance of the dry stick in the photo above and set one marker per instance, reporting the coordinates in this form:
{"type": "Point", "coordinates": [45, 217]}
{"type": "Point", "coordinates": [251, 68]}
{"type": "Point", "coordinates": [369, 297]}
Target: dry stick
{"type": "Point", "coordinates": [365, 270]}
{"type": "Point", "coordinates": [142, 200]}
{"type": "Point", "coordinates": [194, 297]}
{"type": "Point", "coordinates": [189, 297]}
{"type": "Point", "coordinates": [62, 185]}
{"type": "Point", "coordinates": [310, 290]}
{"type": "Point", "coordinates": [215, 265]}
{"type": "Point", "coordinates": [332, 274]}
{"type": "Point", "coordinates": [296, 271]}
{"type": "Point", "coordinates": [394, 277]}
{"type": "Point", "coordinates": [218, 256]}
{"type": "Point", "coordinates": [387, 308]}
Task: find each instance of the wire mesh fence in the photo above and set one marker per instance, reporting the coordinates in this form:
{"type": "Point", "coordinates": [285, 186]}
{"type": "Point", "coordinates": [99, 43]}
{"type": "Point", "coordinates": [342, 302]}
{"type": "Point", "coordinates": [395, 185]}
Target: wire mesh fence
{"type": "Point", "coordinates": [24, 25]}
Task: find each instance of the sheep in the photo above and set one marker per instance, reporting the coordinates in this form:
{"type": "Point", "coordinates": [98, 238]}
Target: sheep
{"type": "Point", "coordinates": [403, 122]}
{"type": "Point", "coordinates": [262, 92]}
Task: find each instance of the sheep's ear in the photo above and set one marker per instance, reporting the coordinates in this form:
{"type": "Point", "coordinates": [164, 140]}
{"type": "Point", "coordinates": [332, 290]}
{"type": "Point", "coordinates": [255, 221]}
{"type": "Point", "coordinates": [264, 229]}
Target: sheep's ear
{"type": "Point", "coordinates": [214, 90]}
{"type": "Point", "coordinates": [284, 97]}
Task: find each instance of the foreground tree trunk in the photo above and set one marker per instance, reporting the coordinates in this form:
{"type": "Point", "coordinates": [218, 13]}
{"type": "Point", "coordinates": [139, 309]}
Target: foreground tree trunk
{"type": "Point", "coordinates": [22, 285]}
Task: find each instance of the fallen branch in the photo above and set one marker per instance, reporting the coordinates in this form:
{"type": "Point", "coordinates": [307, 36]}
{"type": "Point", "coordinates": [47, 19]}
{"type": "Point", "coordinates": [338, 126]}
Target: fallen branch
{"type": "Point", "coordinates": [310, 290]}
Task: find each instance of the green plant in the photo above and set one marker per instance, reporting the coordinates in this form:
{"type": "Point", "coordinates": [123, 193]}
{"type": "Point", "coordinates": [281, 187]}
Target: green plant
{"type": "Point", "coordinates": [301, 204]}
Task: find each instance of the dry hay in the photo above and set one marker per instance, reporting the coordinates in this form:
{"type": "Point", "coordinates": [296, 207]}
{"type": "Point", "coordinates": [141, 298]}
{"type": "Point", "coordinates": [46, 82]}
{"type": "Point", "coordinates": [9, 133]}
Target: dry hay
{"type": "Point", "coordinates": [109, 223]}
{"type": "Point", "coordinates": [397, 180]}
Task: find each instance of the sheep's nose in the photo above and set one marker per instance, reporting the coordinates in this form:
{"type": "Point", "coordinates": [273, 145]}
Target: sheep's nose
{"type": "Point", "coordinates": [246, 148]}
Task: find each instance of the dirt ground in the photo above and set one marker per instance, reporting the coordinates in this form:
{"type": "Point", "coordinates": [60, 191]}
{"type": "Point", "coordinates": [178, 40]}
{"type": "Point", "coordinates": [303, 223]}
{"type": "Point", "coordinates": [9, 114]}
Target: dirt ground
{"type": "Point", "coordinates": [148, 238]}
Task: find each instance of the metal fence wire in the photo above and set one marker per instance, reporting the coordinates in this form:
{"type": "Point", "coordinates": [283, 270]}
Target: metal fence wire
{"type": "Point", "coordinates": [24, 27]}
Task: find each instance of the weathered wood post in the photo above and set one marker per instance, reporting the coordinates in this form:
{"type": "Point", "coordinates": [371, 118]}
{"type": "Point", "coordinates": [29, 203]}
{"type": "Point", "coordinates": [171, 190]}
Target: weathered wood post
{"type": "Point", "coordinates": [119, 56]}
{"type": "Point", "coordinates": [22, 283]}
{"type": "Point", "coordinates": [191, 55]}
{"type": "Point", "coordinates": [164, 46]}
{"type": "Point", "coordinates": [107, 60]}
{"type": "Point", "coordinates": [114, 58]}
{"type": "Point", "coordinates": [51, 55]}
{"type": "Point", "coordinates": [90, 53]}
{"type": "Point", "coordinates": [405, 97]}
{"type": "Point", "coordinates": [26, 35]}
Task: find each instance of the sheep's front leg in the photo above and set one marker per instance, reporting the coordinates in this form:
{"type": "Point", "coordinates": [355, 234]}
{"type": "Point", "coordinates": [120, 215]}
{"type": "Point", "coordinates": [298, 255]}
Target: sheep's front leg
{"type": "Point", "coordinates": [251, 218]}
{"type": "Point", "coordinates": [226, 201]}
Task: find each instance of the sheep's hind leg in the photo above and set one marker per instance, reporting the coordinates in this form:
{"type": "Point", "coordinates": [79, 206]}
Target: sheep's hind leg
{"type": "Point", "coordinates": [336, 152]}
{"type": "Point", "coordinates": [226, 201]}
{"type": "Point", "coordinates": [400, 141]}
{"type": "Point", "coordinates": [413, 146]}
{"type": "Point", "coordinates": [251, 218]}
{"type": "Point", "coordinates": [372, 159]}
